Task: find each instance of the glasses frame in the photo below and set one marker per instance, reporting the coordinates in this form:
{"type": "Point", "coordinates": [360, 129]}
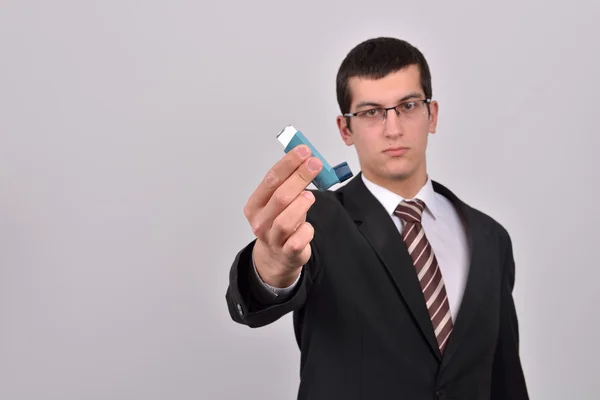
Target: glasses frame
{"type": "Point", "coordinates": [385, 110]}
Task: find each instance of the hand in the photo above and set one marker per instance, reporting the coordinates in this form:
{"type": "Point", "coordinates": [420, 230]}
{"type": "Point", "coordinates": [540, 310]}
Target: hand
{"type": "Point", "coordinates": [276, 211]}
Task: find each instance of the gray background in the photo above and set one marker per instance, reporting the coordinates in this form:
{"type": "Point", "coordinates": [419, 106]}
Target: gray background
{"type": "Point", "coordinates": [132, 133]}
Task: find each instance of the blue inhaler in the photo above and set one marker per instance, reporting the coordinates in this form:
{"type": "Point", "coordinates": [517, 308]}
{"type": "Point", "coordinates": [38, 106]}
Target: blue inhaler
{"type": "Point", "coordinates": [290, 137]}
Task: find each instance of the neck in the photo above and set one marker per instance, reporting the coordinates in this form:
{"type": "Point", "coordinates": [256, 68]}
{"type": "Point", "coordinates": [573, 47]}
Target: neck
{"type": "Point", "coordinates": [407, 187]}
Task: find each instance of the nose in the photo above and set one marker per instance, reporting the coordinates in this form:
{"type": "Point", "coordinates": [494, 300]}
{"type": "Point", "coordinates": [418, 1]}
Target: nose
{"type": "Point", "coordinates": [392, 124]}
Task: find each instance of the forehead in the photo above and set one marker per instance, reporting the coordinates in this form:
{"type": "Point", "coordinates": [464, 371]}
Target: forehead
{"type": "Point", "coordinates": [388, 89]}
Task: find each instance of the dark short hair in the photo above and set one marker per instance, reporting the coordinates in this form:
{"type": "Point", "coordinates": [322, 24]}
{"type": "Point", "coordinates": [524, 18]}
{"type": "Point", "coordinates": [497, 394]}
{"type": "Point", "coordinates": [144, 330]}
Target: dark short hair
{"type": "Point", "coordinates": [374, 59]}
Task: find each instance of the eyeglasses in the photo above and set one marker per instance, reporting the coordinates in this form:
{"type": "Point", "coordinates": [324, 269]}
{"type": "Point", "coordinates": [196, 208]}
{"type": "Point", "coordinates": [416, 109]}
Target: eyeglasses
{"type": "Point", "coordinates": [409, 110]}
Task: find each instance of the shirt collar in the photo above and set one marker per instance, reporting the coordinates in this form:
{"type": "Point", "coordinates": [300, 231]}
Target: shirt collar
{"type": "Point", "coordinates": [390, 200]}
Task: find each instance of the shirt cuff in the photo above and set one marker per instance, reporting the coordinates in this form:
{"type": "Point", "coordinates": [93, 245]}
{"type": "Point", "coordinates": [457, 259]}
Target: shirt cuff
{"type": "Point", "coordinates": [277, 292]}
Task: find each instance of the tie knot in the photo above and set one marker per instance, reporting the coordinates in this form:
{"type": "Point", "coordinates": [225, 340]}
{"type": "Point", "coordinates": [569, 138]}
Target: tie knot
{"type": "Point", "coordinates": [411, 210]}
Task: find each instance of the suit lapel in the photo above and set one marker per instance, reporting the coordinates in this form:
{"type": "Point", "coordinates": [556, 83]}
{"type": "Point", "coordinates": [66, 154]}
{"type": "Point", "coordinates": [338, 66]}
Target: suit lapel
{"type": "Point", "coordinates": [378, 228]}
{"type": "Point", "coordinates": [478, 275]}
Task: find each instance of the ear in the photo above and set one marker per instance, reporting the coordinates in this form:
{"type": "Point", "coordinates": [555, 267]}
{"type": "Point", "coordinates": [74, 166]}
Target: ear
{"type": "Point", "coordinates": [344, 129]}
{"type": "Point", "coordinates": [434, 108]}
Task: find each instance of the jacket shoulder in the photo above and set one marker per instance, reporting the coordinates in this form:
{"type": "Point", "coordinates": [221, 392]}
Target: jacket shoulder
{"type": "Point", "coordinates": [492, 225]}
{"type": "Point", "coordinates": [326, 203]}
{"type": "Point", "coordinates": [484, 220]}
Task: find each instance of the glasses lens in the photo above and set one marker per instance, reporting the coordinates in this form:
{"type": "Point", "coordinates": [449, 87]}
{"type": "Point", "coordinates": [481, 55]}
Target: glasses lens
{"type": "Point", "coordinates": [371, 117]}
{"type": "Point", "coordinates": [411, 108]}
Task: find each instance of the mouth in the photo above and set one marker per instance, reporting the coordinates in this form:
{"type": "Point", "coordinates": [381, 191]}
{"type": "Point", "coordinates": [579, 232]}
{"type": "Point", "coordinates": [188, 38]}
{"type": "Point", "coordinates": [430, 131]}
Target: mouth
{"type": "Point", "coordinates": [396, 151]}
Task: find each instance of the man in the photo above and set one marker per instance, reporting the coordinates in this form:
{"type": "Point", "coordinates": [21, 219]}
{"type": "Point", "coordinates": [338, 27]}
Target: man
{"type": "Point", "coordinates": [399, 289]}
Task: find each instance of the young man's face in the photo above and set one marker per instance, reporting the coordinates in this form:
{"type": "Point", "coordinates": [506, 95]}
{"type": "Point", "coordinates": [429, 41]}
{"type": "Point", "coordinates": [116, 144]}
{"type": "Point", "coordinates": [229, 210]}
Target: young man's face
{"type": "Point", "coordinates": [390, 149]}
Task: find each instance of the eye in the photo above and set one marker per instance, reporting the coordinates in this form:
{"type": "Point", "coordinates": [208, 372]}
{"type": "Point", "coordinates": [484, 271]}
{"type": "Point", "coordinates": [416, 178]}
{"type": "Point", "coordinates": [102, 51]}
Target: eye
{"type": "Point", "coordinates": [372, 113]}
{"type": "Point", "coordinates": [409, 106]}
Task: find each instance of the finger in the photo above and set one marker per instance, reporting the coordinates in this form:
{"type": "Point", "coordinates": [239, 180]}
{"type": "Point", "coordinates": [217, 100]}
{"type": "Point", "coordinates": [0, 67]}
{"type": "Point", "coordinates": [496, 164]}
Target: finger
{"type": "Point", "coordinates": [286, 193]}
{"type": "Point", "coordinates": [290, 219]}
{"type": "Point", "coordinates": [274, 178]}
{"type": "Point", "coordinates": [297, 247]}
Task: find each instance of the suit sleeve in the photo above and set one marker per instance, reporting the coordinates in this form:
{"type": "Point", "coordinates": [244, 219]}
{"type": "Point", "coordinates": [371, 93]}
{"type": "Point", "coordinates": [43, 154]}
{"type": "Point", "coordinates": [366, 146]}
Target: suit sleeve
{"type": "Point", "coordinates": [508, 381]}
{"type": "Point", "coordinates": [251, 303]}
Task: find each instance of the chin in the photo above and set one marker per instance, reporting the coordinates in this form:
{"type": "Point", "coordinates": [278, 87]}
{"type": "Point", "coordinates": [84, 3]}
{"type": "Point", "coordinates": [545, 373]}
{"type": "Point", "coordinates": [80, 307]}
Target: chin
{"type": "Point", "coordinates": [399, 176]}
{"type": "Point", "coordinates": [401, 172]}
{"type": "Point", "coordinates": [392, 170]}
{"type": "Point", "coordinates": [400, 169]}
{"type": "Point", "coordinates": [395, 174]}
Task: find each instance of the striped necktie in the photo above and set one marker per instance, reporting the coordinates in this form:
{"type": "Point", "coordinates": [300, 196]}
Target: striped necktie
{"type": "Point", "coordinates": [427, 269]}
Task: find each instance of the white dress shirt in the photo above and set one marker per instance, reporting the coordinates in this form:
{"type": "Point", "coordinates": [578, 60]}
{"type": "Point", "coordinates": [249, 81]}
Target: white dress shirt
{"type": "Point", "coordinates": [444, 230]}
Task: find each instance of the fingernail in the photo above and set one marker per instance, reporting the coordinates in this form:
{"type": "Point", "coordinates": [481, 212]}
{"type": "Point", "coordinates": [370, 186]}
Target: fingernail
{"type": "Point", "coordinates": [314, 164]}
{"type": "Point", "coordinates": [304, 151]}
{"type": "Point", "coordinates": [309, 195]}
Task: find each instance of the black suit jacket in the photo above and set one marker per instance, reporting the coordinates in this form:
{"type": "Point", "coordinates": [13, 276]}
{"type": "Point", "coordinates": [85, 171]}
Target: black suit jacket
{"type": "Point", "coordinates": [360, 318]}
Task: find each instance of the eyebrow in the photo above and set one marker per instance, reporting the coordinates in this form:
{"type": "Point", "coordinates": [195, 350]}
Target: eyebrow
{"type": "Point", "coordinates": [373, 104]}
